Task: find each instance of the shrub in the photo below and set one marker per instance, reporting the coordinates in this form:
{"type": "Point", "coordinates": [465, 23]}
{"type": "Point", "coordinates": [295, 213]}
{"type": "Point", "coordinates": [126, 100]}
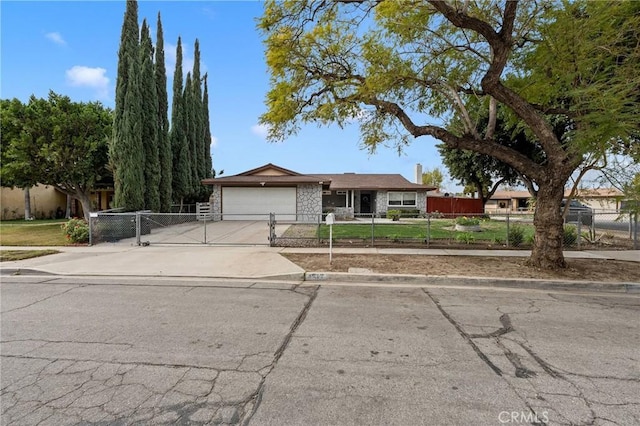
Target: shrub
{"type": "Point", "coordinates": [76, 230]}
{"type": "Point", "coordinates": [393, 214]}
{"type": "Point", "coordinates": [516, 235]}
{"type": "Point", "coordinates": [466, 238]}
{"type": "Point", "coordinates": [467, 221]}
{"type": "Point", "coordinates": [569, 235]}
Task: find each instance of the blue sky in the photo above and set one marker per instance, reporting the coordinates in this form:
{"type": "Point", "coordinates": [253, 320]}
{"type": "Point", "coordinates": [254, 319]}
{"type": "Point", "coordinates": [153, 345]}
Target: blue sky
{"type": "Point", "coordinates": [71, 48]}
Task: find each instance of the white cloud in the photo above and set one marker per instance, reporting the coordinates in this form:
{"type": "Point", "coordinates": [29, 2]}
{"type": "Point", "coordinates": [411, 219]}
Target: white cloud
{"type": "Point", "coordinates": [81, 76]}
{"type": "Point", "coordinates": [214, 142]}
{"type": "Point", "coordinates": [261, 130]}
{"type": "Point", "coordinates": [56, 37]}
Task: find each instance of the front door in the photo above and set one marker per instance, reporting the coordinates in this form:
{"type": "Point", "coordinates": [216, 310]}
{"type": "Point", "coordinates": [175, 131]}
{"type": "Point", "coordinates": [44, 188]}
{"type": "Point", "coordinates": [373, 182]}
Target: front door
{"type": "Point", "coordinates": [365, 203]}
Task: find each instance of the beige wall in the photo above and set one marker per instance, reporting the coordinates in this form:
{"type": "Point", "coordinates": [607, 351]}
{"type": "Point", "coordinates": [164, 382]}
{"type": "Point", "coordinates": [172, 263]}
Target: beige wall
{"type": "Point", "coordinates": [45, 200]}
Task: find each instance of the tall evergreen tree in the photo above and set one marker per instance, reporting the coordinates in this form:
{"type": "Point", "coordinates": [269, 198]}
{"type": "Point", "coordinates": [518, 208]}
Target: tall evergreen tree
{"type": "Point", "coordinates": [163, 143]}
{"type": "Point", "coordinates": [191, 128]}
{"type": "Point", "coordinates": [179, 146]}
{"type": "Point", "coordinates": [125, 150]}
{"type": "Point", "coordinates": [207, 131]}
{"type": "Point", "coordinates": [198, 125]}
{"type": "Point", "coordinates": [149, 122]}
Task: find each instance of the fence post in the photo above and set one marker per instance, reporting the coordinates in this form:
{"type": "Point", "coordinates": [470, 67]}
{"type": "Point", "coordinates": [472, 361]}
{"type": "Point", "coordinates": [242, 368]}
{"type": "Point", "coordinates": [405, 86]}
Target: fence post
{"type": "Point", "coordinates": [636, 246]}
{"type": "Point", "coordinates": [205, 228]}
{"type": "Point", "coordinates": [507, 228]}
{"type": "Point", "coordinates": [579, 230]}
{"type": "Point", "coordinates": [373, 229]}
{"type": "Point", "coordinates": [90, 229]}
{"type": "Point", "coordinates": [138, 227]}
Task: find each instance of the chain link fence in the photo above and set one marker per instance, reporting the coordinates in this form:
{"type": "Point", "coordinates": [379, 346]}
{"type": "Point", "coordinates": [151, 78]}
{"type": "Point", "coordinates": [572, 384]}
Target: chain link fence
{"type": "Point", "coordinates": [201, 226]}
{"type": "Point", "coordinates": [592, 231]}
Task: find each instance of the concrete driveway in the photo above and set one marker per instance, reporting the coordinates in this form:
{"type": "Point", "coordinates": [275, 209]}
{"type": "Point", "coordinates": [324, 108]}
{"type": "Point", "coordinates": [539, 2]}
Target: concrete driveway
{"type": "Point", "coordinates": [233, 232]}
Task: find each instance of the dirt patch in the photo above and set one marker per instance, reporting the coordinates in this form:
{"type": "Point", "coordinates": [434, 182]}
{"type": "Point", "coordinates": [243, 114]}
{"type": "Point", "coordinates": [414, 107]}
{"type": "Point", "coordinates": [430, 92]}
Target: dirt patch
{"type": "Point", "coordinates": [469, 266]}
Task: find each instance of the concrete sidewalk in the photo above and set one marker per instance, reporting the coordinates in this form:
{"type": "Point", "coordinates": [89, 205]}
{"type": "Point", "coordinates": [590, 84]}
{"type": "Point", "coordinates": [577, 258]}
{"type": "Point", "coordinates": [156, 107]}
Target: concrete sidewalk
{"type": "Point", "coordinates": [201, 261]}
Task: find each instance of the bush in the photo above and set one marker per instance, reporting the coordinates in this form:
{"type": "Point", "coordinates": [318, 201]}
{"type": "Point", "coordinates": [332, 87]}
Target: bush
{"type": "Point", "coordinates": [467, 221]}
{"type": "Point", "coordinates": [466, 238]}
{"type": "Point", "coordinates": [516, 235]}
{"type": "Point", "coordinates": [393, 214]}
{"type": "Point", "coordinates": [76, 230]}
{"type": "Point", "coordinates": [569, 235]}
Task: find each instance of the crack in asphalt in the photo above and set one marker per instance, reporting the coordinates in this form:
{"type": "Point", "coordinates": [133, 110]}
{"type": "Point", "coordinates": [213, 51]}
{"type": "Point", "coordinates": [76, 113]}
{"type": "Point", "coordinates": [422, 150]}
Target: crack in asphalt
{"type": "Point", "coordinates": [464, 334]}
{"type": "Point", "coordinates": [43, 299]}
{"type": "Point", "coordinates": [256, 398]}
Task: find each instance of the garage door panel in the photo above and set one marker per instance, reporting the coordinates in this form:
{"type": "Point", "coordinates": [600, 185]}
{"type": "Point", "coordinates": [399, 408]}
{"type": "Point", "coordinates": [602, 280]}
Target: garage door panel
{"type": "Point", "coordinates": [257, 203]}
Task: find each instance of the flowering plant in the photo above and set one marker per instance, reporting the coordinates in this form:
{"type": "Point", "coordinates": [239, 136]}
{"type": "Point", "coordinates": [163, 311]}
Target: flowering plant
{"type": "Point", "coordinates": [467, 221]}
{"type": "Point", "coordinates": [76, 230]}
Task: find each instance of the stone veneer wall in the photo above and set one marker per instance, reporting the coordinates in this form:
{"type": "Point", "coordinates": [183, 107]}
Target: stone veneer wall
{"type": "Point", "coordinates": [382, 207]}
{"type": "Point", "coordinates": [214, 199]}
{"type": "Point", "coordinates": [381, 203]}
{"type": "Point", "coordinates": [309, 203]}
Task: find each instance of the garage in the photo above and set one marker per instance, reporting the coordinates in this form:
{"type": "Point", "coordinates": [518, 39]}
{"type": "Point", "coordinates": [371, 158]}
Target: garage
{"type": "Point", "coordinates": [257, 203]}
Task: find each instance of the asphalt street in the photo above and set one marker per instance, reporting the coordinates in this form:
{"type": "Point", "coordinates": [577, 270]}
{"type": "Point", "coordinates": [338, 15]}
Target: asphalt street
{"type": "Point", "coordinates": [201, 351]}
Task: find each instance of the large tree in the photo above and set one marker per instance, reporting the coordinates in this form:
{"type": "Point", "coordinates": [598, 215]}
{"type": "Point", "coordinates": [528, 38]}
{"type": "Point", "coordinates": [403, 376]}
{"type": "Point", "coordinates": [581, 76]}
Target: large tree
{"type": "Point", "coordinates": [126, 152]}
{"type": "Point", "coordinates": [163, 143]}
{"type": "Point", "coordinates": [207, 131]}
{"type": "Point", "coordinates": [17, 168]}
{"type": "Point", "coordinates": [149, 122]}
{"type": "Point", "coordinates": [181, 172]}
{"type": "Point", "coordinates": [386, 63]}
{"type": "Point", "coordinates": [61, 143]}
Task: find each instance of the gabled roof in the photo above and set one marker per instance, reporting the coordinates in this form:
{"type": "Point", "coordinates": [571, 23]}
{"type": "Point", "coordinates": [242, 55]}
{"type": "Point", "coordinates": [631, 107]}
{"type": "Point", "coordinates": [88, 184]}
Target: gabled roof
{"type": "Point", "coordinates": [372, 181]}
{"type": "Point", "coordinates": [271, 174]}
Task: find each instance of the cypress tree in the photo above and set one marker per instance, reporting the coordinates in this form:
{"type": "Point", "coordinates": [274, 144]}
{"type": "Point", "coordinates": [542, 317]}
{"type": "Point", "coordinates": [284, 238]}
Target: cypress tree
{"type": "Point", "coordinates": [179, 145]}
{"type": "Point", "coordinates": [191, 128]}
{"type": "Point", "coordinates": [164, 145]}
{"type": "Point", "coordinates": [207, 131]}
{"type": "Point", "coordinates": [125, 149]}
{"type": "Point", "coordinates": [198, 124]}
{"type": "Point", "coordinates": [149, 122]}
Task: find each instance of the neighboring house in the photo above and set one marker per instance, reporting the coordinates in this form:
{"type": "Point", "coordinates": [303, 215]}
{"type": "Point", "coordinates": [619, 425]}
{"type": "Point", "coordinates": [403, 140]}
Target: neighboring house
{"type": "Point", "coordinates": [300, 197]}
{"type": "Point", "coordinates": [598, 199]}
{"type": "Point", "coordinates": [46, 202]}
{"type": "Point", "coordinates": [508, 201]}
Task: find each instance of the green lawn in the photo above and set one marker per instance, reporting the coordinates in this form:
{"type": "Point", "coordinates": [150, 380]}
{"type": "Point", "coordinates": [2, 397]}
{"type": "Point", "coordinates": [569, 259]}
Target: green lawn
{"type": "Point", "coordinates": [32, 233]}
{"type": "Point", "coordinates": [439, 229]}
{"type": "Point", "coordinates": [9, 255]}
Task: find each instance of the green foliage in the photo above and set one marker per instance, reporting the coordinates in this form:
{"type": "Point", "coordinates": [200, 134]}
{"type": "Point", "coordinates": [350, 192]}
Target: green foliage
{"type": "Point", "coordinates": [181, 172]}
{"type": "Point", "coordinates": [433, 177]}
{"type": "Point", "coordinates": [58, 142]}
{"type": "Point", "coordinates": [467, 221]}
{"type": "Point", "coordinates": [126, 151]}
{"type": "Point", "coordinates": [395, 68]}
{"type": "Point", "coordinates": [149, 123]}
{"type": "Point", "coordinates": [207, 132]}
{"type": "Point", "coordinates": [465, 237]}
{"type": "Point", "coordinates": [165, 156]}
{"type": "Point", "coordinates": [516, 235]}
{"type": "Point", "coordinates": [393, 214]}
{"type": "Point", "coordinates": [76, 230]}
{"type": "Point", "coordinates": [569, 235]}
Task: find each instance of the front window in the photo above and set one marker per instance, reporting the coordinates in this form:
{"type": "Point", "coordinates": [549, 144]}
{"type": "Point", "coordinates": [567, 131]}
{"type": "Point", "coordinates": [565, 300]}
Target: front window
{"type": "Point", "coordinates": [406, 199]}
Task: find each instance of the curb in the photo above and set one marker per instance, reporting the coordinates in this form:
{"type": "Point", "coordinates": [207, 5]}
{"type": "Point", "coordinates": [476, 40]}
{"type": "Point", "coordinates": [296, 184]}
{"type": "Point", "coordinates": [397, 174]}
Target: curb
{"type": "Point", "coordinates": [439, 280]}
{"type": "Point", "coordinates": [295, 276]}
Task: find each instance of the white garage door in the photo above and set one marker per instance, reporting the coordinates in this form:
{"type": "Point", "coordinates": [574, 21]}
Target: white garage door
{"type": "Point", "coordinates": [257, 203]}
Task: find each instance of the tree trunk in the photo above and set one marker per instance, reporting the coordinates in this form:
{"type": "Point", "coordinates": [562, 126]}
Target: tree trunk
{"type": "Point", "coordinates": [86, 204]}
{"type": "Point", "coordinates": [67, 213]}
{"type": "Point", "coordinates": [27, 204]}
{"type": "Point", "coordinates": [547, 245]}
